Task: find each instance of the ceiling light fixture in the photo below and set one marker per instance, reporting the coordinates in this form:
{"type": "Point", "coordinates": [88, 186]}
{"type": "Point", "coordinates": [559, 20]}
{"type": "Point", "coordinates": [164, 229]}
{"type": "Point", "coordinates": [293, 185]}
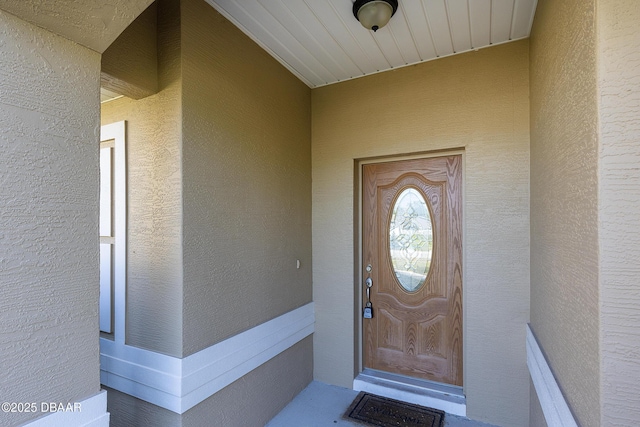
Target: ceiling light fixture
{"type": "Point", "coordinates": [374, 14]}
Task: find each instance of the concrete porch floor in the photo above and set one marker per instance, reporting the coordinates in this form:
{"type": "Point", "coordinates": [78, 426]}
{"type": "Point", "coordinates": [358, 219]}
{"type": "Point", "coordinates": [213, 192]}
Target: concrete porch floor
{"type": "Point", "coordinates": [322, 405]}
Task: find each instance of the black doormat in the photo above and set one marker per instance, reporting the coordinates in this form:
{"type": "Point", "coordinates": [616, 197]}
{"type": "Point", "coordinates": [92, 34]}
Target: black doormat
{"type": "Point", "coordinates": [383, 412]}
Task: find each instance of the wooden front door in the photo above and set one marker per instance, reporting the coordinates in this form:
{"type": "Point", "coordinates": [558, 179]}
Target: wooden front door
{"type": "Point", "coordinates": [412, 252]}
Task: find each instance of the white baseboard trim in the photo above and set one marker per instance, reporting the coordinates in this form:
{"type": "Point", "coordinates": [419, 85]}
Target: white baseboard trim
{"type": "Point", "coordinates": [180, 384]}
{"type": "Point", "coordinates": [554, 406]}
{"type": "Point", "coordinates": [91, 412]}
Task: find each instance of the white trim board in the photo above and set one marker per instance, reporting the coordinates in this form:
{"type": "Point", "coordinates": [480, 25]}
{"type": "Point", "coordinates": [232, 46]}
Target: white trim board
{"type": "Point", "coordinates": [92, 412]}
{"type": "Point", "coordinates": [180, 384]}
{"type": "Point", "coordinates": [554, 406]}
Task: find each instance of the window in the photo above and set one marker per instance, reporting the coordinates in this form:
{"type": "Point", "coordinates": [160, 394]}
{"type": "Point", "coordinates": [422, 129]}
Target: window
{"type": "Point", "coordinates": [113, 227]}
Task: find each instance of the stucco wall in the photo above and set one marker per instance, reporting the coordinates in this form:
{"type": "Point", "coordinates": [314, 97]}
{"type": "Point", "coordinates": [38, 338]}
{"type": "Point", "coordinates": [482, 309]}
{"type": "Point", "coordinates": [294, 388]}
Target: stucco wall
{"type": "Point", "coordinates": [127, 411]}
{"type": "Point", "coordinates": [247, 182]}
{"type": "Point", "coordinates": [250, 401]}
{"type": "Point", "coordinates": [49, 284]}
{"type": "Point", "coordinates": [478, 101]}
{"type": "Point", "coordinates": [154, 198]}
{"type": "Point", "coordinates": [257, 397]}
{"type": "Point", "coordinates": [130, 65]}
{"type": "Point", "coordinates": [536, 416]}
{"type": "Point", "coordinates": [619, 208]}
{"type": "Point", "coordinates": [87, 22]}
{"type": "Point", "coordinates": [564, 199]}
{"type": "Point", "coordinates": [219, 211]}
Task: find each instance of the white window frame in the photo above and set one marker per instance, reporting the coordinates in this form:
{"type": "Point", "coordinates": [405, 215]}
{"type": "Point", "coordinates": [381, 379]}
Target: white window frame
{"type": "Point", "coordinates": [113, 289]}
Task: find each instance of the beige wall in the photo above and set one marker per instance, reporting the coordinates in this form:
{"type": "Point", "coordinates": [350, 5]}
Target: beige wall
{"type": "Point", "coordinates": [126, 411]}
{"type": "Point", "coordinates": [154, 199]}
{"type": "Point", "coordinates": [619, 207]}
{"type": "Point", "coordinates": [49, 280]}
{"type": "Point", "coordinates": [478, 101]}
{"type": "Point", "coordinates": [564, 199]}
{"type": "Point", "coordinates": [219, 187]}
{"type": "Point", "coordinates": [219, 210]}
{"type": "Point", "coordinates": [257, 397]}
{"type": "Point", "coordinates": [87, 22]}
{"type": "Point", "coordinates": [130, 65]}
{"type": "Point", "coordinates": [247, 182]}
{"type": "Point", "coordinates": [251, 401]}
{"type": "Point", "coordinates": [536, 416]}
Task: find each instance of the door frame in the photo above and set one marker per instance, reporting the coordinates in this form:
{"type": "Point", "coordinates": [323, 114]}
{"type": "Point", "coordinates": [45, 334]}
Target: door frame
{"type": "Point", "coordinates": [358, 263]}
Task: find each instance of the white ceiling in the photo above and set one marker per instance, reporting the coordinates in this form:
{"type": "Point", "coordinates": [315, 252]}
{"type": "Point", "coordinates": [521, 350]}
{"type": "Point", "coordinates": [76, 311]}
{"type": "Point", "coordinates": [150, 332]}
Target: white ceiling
{"type": "Point", "coordinates": [321, 41]}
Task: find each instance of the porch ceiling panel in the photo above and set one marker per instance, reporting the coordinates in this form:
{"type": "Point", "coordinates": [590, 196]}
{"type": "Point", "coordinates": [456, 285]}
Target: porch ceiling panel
{"type": "Point", "coordinates": [321, 42]}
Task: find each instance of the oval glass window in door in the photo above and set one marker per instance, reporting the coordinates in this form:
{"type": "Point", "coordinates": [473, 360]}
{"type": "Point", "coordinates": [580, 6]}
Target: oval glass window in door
{"type": "Point", "coordinates": [411, 239]}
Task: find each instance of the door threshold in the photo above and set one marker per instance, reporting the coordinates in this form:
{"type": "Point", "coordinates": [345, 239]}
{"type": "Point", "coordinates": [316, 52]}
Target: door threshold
{"type": "Point", "coordinates": [444, 397]}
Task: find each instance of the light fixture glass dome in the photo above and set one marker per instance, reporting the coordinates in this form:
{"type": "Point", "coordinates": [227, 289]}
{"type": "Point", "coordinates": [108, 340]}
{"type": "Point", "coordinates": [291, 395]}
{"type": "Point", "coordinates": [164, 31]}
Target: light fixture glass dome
{"type": "Point", "coordinates": [374, 14]}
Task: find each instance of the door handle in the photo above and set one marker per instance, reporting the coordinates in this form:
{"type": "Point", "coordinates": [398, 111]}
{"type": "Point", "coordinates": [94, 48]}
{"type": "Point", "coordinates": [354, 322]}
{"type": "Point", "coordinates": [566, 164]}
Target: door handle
{"type": "Point", "coordinates": [369, 284]}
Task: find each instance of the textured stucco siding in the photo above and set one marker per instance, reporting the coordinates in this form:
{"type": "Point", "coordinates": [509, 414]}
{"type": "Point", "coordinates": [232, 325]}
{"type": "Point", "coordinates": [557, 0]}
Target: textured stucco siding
{"type": "Point", "coordinates": [130, 64]}
{"type": "Point", "coordinates": [247, 182]}
{"type": "Point", "coordinates": [88, 22]}
{"type": "Point", "coordinates": [564, 199]}
{"type": "Point", "coordinates": [154, 198]}
{"type": "Point", "coordinates": [128, 411]}
{"type": "Point", "coordinates": [619, 210]}
{"type": "Point", "coordinates": [252, 400]}
{"type": "Point", "coordinates": [219, 211]}
{"type": "Point", "coordinates": [478, 101]}
{"type": "Point", "coordinates": [49, 275]}
{"type": "Point", "coordinates": [257, 397]}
